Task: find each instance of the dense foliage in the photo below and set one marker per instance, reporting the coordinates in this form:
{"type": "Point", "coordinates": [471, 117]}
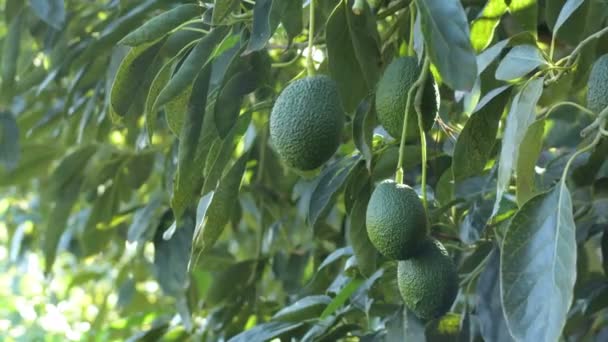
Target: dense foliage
{"type": "Point", "coordinates": [142, 196]}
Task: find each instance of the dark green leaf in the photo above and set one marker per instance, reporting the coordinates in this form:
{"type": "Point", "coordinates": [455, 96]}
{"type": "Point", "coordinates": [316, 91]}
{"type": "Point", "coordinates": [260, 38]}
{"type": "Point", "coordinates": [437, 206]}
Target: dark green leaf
{"type": "Point", "coordinates": [51, 11]}
{"type": "Point", "coordinates": [145, 221]}
{"type": "Point", "coordinates": [9, 141]}
{"type": "Point", "coordinates": [492, 324]}
{"type": "Point", "coordinates": [569, 7]}
{"type": "Point", "coordinates": [404, 326]}
{"type": "Point", "coordinates": [261, 30]}
{"type": "Point", "coordinates": [353, 52]}
{"type": "Point", "coordinates": [191, 66]}
{"type": "Point", "coordinates": [330, 182]}
{"type": "Point", "coordinates": [341, 297]}
{"type": "Point", "coordinates": [446, 33]}
{"type": "Point", "coordinates": [363, 130]}
{"type": "Point", "coordinates": [10, 55]}
{"type": "Point", "coordinates": [220, 209]}
{"type": "Point", "coordinates": [292, 18]}
{"type": "Point", "coordinates": [133, 76]}
{"type": "Point", "coordinates": [363, 249]}
{"type": "Point", "coordinates": [228, 104]}
{"type": "Point", "coordinates": [605, 251]}
{"type": "Point", "coordinates": [521, 115]}
{"type": "Point", "coordinates": [519, 61]}
{"type": "Point", "coordinates": [189, 176]}
{"type": "Point", "coordinates": [304, 309]}
{"type": "Point", "coordinates": [265, 331]}
{"type": "Point", "coordinates": [475, 143]}
{"type": "Point", "coordinates": [529, 150]}
{"type": "Point", "coordinates": [159, 26]}
{"type": "Point", "coordinates": [525, 13]}
{"type": "Point", "coordinates": [538, 262]}
{"type": "Point", "coordinates": [222, 8]}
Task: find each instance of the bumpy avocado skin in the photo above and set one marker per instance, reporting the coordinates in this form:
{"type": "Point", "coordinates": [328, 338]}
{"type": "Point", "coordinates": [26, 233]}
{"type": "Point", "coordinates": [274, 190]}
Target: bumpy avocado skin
{"type": "Point", "coordinates": [395, 220]}
{"type": "Point", "coordinates": [428, 282]}
{"type": "Point", "coordinates": [306, 122]}
{"type": "Point", "coordinates": [391, 98]}
{"type": "Point", "coordinates": [597, 92]}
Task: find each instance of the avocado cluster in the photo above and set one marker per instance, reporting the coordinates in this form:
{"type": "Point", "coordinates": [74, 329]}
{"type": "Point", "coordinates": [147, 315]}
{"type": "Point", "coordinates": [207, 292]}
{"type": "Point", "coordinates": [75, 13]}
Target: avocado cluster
{"type": "Point", "coordinates": [306, 122]}
{"type": "Point", "coordinates": [597, 86]}
{"type": "Point", "coordinates": [391, 98]}
{"type": "Point", "coordinates": [396, 224]}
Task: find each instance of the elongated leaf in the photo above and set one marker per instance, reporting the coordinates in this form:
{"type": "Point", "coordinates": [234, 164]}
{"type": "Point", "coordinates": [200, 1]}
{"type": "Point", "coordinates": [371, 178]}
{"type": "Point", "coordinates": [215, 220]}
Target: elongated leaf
{"type": "Point", "coordinates": [189, 69]}
{"type": "Point", "coordinates": [521, 115]}
{"type": "Point", "coordinates": [10, 55]}
{"type": "Point", "coordinates": [475, 143]}
{"type": "Point", "coordinates": [538, 263]}
{"type": "Point", "coordinates": [132, 75]}
{"type": "Point", "coordinates": [486, 58]}
{"type": "Point", "coordinates": [446, 33]}
{"type": "Point", "coordinates": [519, 61]}
{"type": "Point", "coordinates": [341, 297]}
{"type": "Point", "coordinates": [228, 104]}
{"type": "Point", "coordinates": [482, 29]}
{"type": "Point", "coordinates": [404, 326]}
{"type": "Point", "coordinates": [221, 9]}
{"type": "Point", "coordinates": [353, 49]}
{"type": "Point", "coordinates": [330, 182]}
{"type": "Point", "coordinates": [161, 25]}
{"type": "Point", "coordinates": [220, 209]}
{"type": "Point", "coordinates": [9, 141]}
{"type": "Point", "coordinates": [363, 130]}
{"type": "Point", "coordinates": [364, 251]}
{"type": "Point", "coordinates": [261, 30]}
{"type": "Point", "coordinates": [189, 177]}
{"type": "Point", "coordinates": [526, 14]}
{"type": "Point", "coordinates": [265, 331]}
{"type": "Point", "coordinates": [569, 7]}
{"type": "Point", "coordinates": [306, 308]}
{"type": "Point", "coordinates": [529, 150]}
{"type": "Point", "coordinates": [51, 11]}
{"type": "Point", "coordinates": [292, 18]}
{"type": "Point", "coordinates": [145, 221]}
{"type": "Point", "coordinates": [492, 324]}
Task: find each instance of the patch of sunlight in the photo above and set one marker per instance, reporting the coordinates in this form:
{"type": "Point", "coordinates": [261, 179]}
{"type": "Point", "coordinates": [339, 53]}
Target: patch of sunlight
{"type": "Point", "coordinates": [26, 309]}
{"type": "Point", "coordinates": [251, 322]}
{"type": "Point", "coordinates": [117, 138]}
{"type": "Point", "coordinates": [449, 324]}
{"type": "Point", "coordinates": [54, 321]}
{"type": "Point", "coordinates": [102, 15]}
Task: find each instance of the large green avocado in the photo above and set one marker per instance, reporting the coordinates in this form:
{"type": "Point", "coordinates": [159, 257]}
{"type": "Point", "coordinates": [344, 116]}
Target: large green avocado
{"type": "Point", "coordinates": [391, 98]}
{"type": "Point", "coordinates": [395, 220]}
{"type": "Point", "coordinates": [597, 92]}
{"type": "Point", "coordinates": [306, 122]}
{"type": "Point", "coordinates": [428, 282]}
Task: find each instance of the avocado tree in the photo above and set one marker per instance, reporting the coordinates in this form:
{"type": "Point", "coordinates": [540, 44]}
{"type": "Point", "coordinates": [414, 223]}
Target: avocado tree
{"type": "Point", "coordinates": [318, 170]}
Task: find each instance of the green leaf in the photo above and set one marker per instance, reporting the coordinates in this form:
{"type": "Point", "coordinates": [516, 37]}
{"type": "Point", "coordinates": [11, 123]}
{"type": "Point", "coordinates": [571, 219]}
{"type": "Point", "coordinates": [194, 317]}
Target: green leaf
{"type": "Point", "coordinates": [538, 263]}
{"type": "Point", "coordinates": [492, 324]}
{"type": "Point", "coordinates": [237, 275]}
{"type": "Point", "coordinates": [10, 55]}
{"type": "Point", "coordinates": [172, 256]}
{"type": "Point", "coordinates": [193, 63]}
{"type": "Point", "coordinates": [529, 150]}
{"type": "Point", "coordinates": [569, 7]}
{"type": "Point", "coordinates": [176, 110]}
{"type": "Point", "coordinates": [342, 297]}
{"type": "Point", "coordinates": [133, 76]}
{"type": "Point", "coordinates": [230, 98]}
{"type": "Point", "coordinates": [304, 309]}
{"type": "Point", "coordinates": [51, 11]}
{"type": "Point", "coordinates": [525, 13]}
{"type": "Point", "coordinates": [330, 182]}
{"type": "Point", "coordinates": [292, 18]}
{"type": "Point", "coordinates": [145, 221]}
{"type": "Point", "coordinates": [265, 331]}
{"type": "Point", "coordinates": [356, 234]}
{"type": "Point", "coordinates": [261, 30]}
{"type": "Point", "coordinates": [353, 52]}
{"type": "Point", "coordinates": [219, 212]}
{"type": "Point", "coordinates": [221, 9]}
{"type": "Point", "coordinates": [521, 60]}
{"type": "Point", "coordinates": [9, 141]}
{"type": "Point", "coordinates": [404, 326]}
{"type": "Point", "coordinates": [364, 123]}
{"type": "Point", "coordinates": [476, 141]}
{"type": "Point", "coordinates": [482, 28]}
{"type": "Point", "coordinates": [191, 155]}
{"type": "Point", "coordinates": [487, 57]}
{"type": "Point", "coordinates": [446, 34]}
{"type": "Point", "coordinates": [159, 26]}
{"type": "Point", "coordinates": [520, 117]}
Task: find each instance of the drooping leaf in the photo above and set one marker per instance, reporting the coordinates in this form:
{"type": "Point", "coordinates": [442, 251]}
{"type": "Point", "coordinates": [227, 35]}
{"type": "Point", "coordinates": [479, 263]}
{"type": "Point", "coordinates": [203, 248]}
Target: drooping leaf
{"type": "Point", "coordinates": [292, 18]}
{"type": "Point", "coordinates": [341, 297]}
{"type": "Point", "coordinates": [404, 326]}
{"type": "Point", "coordinates": [261, 29]}
{"type": "Point", "coordinates": [529, 150]}
{"type": "Point", "coordinates": [353, 49]}
{"type": "Point", "coordinates": [145, 221]}
{"type": "Point", "coordinates": [10, 55]}
{"type": "Point", "coordinates": [9, 141]}
{"type": "Point", "coordinates": [157, 27]}
{"type": "Point", "coordinates": [304, 309]}
{"type": "Point", "coordinates": [230, 98]}
{"type": "Point", "coordinates": [363, 130]}
{"type": "Point", "coordinates": [189, 177]}
{"type": "Point", "coordinates": [538, 262]}
{"type": "Point", "coordinates": [365, 253]}
{"type": "Point", "coordinates": [133, 76]}
{"type": "Point", "coordinates": [482, 28]}
{"type": "Point", "coordinates": [265, 331]}
{"type": "Point", "coordinates": [475, 143]}
{"type": "Point", "coordinates": [519, 61]}
{"type": "Point", "coordinates": [525, 13]}
{"type": "Point", "coordinates": [569, 7]}
{"type": "Point", "coordinates": [521, 115]}
{"type": "Point", "coordinates": [492, 324]}
{"type": "Point", "coordinates": [220, 209]}
{"type": "Point", "coordinates": [221, 9]}
{"type": "Point", "coordinates": [191, 66]}
{"type": "Point", "coordinates": [51, 11]}
{"type": "Point", "coordinates": [330, 182]}
{"type": "Point", "coordinates": [446, 34]}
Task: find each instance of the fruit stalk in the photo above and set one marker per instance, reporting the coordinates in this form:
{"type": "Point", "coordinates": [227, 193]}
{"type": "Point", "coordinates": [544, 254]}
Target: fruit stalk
{"type": "Point", "coordinates": [310, 67]}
